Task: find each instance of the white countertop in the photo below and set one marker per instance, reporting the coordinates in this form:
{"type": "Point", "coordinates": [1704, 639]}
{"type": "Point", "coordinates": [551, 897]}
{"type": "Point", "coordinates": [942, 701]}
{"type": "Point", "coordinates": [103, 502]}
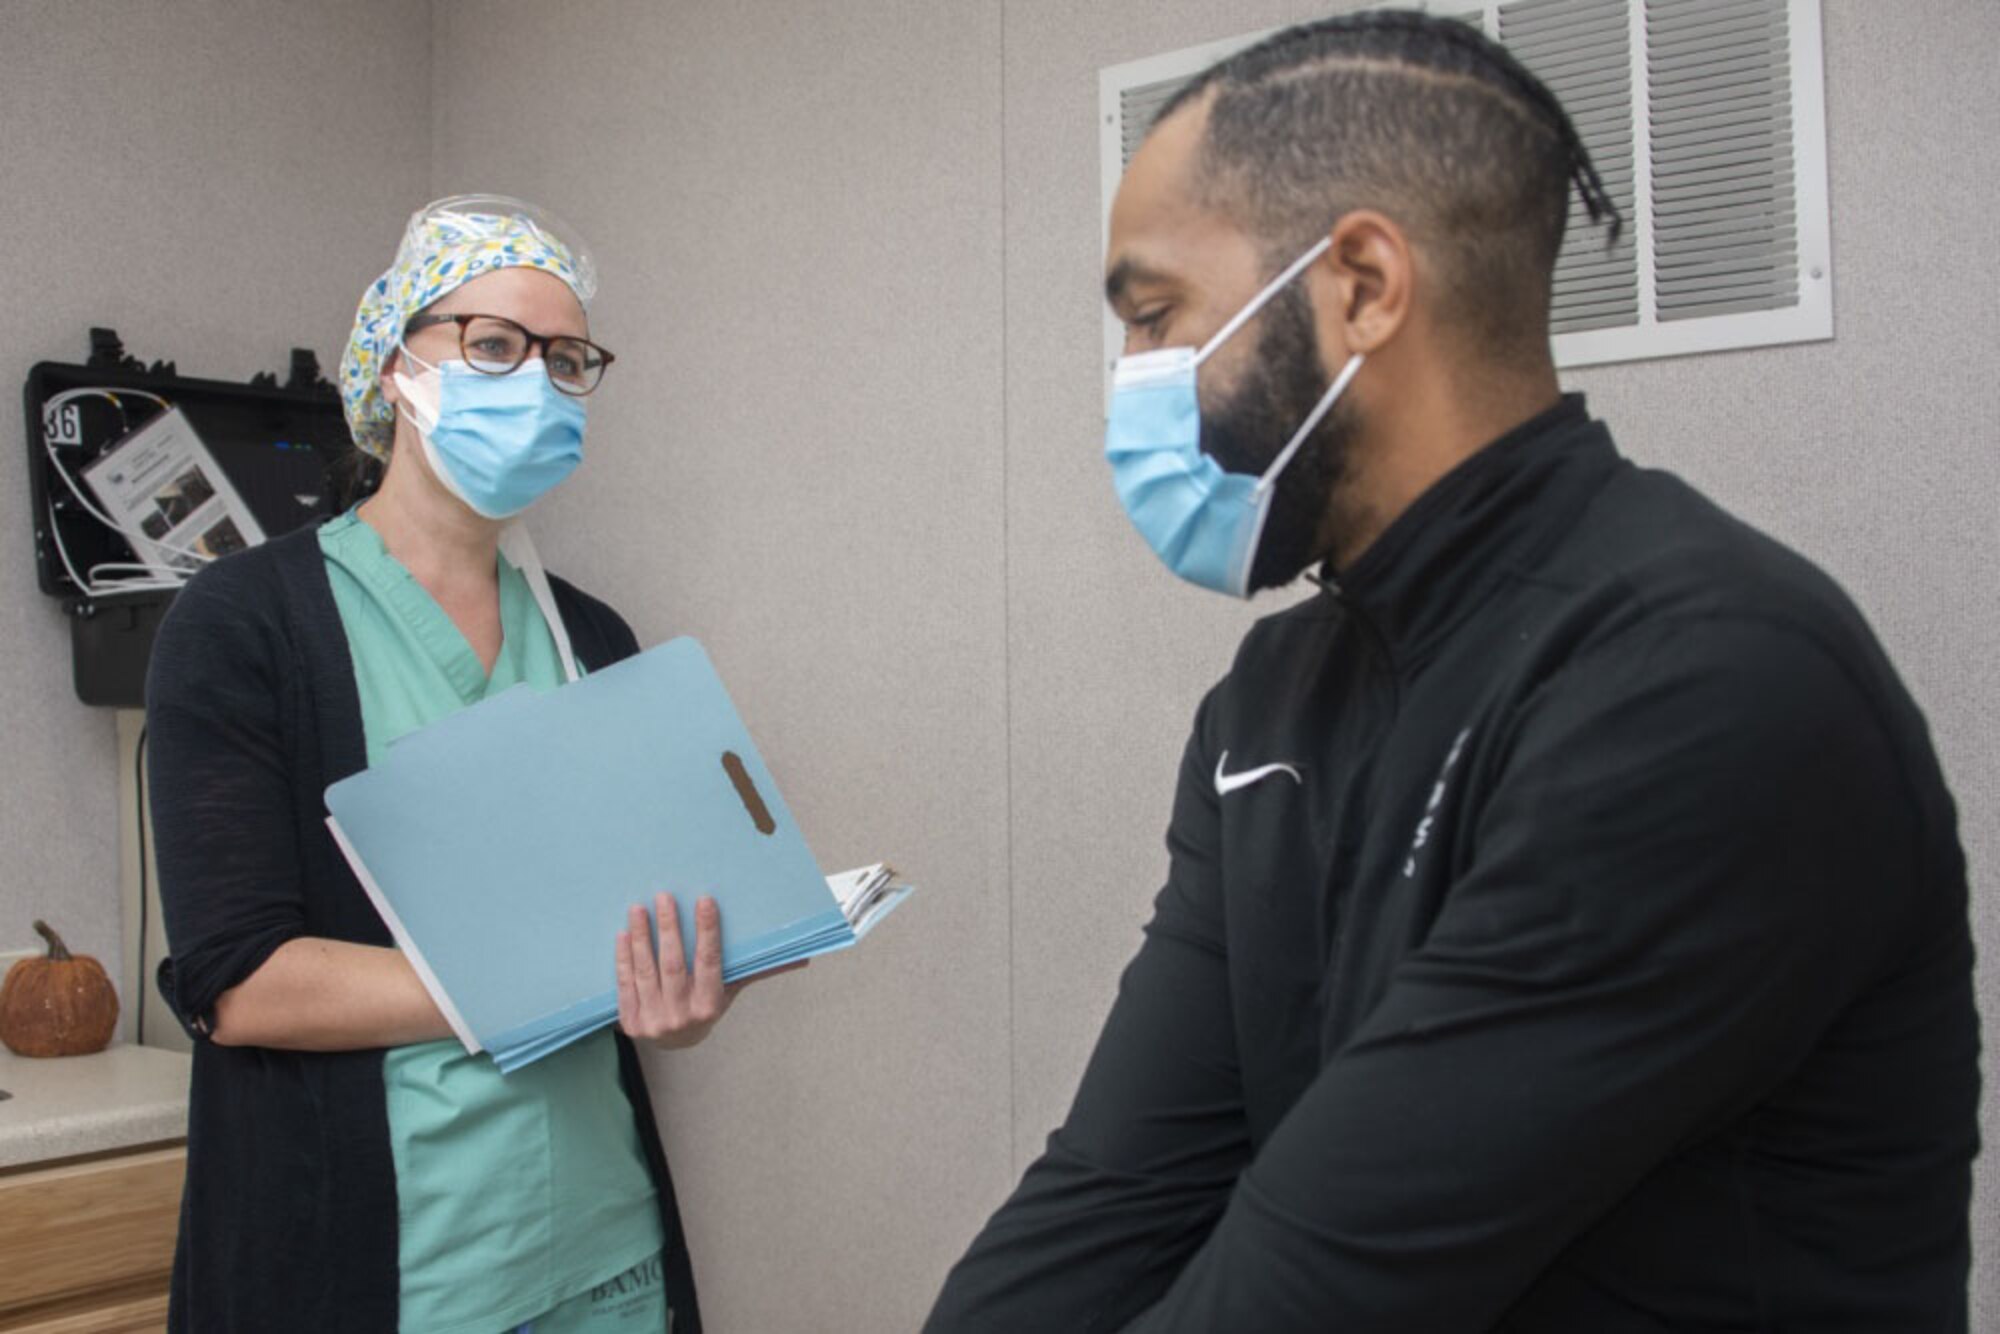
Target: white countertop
{"type": "Point", "coordinates": [66, 1106]}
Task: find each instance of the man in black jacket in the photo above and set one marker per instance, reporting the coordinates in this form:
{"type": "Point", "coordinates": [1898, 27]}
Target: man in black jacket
{"type": "Point", "coordinates": [1565, 924]}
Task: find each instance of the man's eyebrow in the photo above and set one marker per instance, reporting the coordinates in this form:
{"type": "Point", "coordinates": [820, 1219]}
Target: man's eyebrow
{"type": "Point", "coordinates": [1123, 274]}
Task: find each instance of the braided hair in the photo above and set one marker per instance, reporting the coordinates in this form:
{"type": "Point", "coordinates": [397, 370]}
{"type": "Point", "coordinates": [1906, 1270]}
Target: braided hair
{"type": "Point", "coordinates": [1423, 118]}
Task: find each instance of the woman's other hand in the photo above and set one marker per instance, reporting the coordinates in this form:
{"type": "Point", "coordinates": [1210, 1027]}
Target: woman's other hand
{"type": "Point", "coordinates": [659, 1000]}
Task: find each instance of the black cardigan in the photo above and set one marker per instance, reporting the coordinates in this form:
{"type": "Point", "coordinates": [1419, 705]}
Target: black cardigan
{"type": "Point", "coordinates": [288, 1219]}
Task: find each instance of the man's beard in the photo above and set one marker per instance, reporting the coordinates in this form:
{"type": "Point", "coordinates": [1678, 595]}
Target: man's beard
{"type": "Point", "coordinates": [1245, 432]}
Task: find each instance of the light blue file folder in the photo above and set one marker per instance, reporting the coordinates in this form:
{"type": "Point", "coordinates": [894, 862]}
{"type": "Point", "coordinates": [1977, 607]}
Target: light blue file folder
{"type": "Point", "coordinates": [504, 844]}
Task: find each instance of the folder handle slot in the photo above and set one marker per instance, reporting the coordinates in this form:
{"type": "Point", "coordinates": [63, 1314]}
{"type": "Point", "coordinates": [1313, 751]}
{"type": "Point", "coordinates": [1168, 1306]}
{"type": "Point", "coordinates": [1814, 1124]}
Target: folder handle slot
{"type": "Point", "coordinates": [746, 792]}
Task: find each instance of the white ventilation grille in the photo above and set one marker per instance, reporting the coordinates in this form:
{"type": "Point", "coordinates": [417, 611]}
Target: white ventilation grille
{"type": "Point", "coordinates": [1582, 49]}
{"type": "Point", "coordinates": [1725, 230]}
{"type": "Point", "coordinates": [1706, 119]}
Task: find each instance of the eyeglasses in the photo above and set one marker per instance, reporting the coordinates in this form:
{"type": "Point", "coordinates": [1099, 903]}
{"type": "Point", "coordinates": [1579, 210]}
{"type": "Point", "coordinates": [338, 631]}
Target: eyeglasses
{"type": "Point", "coordinates": [495, 345]}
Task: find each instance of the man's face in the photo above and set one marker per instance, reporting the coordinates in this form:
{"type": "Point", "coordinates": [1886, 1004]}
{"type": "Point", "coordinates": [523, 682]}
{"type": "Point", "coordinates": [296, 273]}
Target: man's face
{"type": "Point", "coordinates": [1176, 272]}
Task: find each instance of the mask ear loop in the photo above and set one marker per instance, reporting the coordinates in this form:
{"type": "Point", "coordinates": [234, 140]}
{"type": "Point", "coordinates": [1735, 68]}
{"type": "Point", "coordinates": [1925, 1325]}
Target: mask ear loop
{"type": "Point", "coordinates": [1263, 298]}
{"type": "Point", "coordinates": [1324, 406]}
{"type": "Point", "coordinates": [424, 415]}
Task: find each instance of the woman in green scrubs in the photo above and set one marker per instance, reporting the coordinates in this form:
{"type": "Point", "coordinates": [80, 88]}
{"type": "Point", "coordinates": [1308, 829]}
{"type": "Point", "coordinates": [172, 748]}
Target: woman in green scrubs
{"type": "Point", "coordinates": [532, 1201]}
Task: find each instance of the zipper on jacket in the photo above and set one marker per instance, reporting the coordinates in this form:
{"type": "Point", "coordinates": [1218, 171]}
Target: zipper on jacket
{"type": "Point", "coordinates": [1368, 629]}
{"type": "Point", "coordinates": [1333, 885]}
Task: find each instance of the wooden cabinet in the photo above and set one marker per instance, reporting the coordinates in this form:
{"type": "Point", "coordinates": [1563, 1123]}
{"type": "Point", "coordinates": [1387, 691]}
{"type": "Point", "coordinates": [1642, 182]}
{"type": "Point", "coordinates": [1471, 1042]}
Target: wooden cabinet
{"type": "Point", "coordinates": [86, 1246]}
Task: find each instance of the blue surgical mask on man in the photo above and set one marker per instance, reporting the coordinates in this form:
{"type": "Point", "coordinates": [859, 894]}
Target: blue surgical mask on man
{"type": "Point", "coordinates": [1203, 523]}
{"type": "Point", "coordinates": [497, 442]}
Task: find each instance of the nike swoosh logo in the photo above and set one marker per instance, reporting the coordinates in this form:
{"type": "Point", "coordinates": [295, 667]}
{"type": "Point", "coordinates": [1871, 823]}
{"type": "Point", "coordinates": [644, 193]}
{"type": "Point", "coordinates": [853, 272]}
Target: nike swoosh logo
{"type": "Point", "coordinates": [1226, 783]}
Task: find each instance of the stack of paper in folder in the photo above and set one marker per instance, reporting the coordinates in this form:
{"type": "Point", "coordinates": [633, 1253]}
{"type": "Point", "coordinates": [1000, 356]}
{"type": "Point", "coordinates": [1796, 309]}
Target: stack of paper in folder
{"type": "Point", "coordinates": [504, 845]}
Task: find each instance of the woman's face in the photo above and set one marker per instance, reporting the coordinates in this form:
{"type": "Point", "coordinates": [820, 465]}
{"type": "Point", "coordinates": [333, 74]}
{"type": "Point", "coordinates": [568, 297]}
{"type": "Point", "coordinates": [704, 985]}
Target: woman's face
{"type": "Point", "coordinates": [539, 302]}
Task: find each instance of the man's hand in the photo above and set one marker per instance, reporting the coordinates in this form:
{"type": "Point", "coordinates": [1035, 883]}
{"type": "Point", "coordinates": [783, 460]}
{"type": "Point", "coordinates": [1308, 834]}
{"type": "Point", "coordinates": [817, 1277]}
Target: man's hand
{"type": "Point", "coordinates": [659, 1000]}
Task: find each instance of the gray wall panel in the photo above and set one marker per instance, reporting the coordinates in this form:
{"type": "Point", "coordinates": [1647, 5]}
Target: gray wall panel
{"type": "Point", "coordinates": [798, 459]}
{"type": "Point", "coordinates": [218, 180]}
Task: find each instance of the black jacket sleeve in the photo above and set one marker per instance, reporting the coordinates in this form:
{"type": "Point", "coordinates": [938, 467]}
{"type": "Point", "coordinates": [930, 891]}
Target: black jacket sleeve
{"type": "Point", "coordinates": [1141, 1169]}
{"type": "Point", "coordinates": [224, 809]}
{"type": "Point", "coordinates": [1683, 868]}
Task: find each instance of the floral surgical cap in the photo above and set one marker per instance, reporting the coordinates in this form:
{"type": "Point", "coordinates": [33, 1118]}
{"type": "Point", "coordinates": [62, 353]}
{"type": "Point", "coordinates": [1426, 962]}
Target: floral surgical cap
{"type": "Point", "coordinates": [447, 244]}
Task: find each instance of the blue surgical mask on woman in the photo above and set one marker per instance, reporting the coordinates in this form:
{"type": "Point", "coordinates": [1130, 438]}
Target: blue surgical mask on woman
{"type": "Point", "coordinates": [497, 442]}
{"type": "Point", "coordinates": [1203, 522]}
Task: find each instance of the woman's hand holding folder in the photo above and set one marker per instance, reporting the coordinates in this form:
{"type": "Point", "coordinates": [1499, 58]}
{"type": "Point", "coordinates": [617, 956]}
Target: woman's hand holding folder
{"type": "Point", "coordinates": [659, 1000]}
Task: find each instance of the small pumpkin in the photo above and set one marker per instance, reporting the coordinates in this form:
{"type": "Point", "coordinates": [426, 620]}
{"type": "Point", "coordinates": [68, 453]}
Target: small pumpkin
{"type": "Point", "coordinates": [63, 1005]}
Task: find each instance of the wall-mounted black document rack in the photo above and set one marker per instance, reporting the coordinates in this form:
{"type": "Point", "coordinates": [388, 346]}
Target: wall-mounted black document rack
{"type": "Point", "coordinates": [275, 442]}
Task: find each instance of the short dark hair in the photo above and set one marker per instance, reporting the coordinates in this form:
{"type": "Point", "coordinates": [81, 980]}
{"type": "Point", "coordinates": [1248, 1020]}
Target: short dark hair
{"type": "Point", "coordinates": [1423, 118]}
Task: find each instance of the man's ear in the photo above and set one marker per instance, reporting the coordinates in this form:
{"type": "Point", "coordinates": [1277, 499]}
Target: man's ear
{"type": "Point", "coordinates": [1363, 286]}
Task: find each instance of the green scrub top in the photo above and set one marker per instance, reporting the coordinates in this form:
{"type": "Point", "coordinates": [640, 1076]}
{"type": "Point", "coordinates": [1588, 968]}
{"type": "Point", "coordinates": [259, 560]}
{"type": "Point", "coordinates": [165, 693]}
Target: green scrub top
{"type": "Point", "coordinates": [514, 1192]}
